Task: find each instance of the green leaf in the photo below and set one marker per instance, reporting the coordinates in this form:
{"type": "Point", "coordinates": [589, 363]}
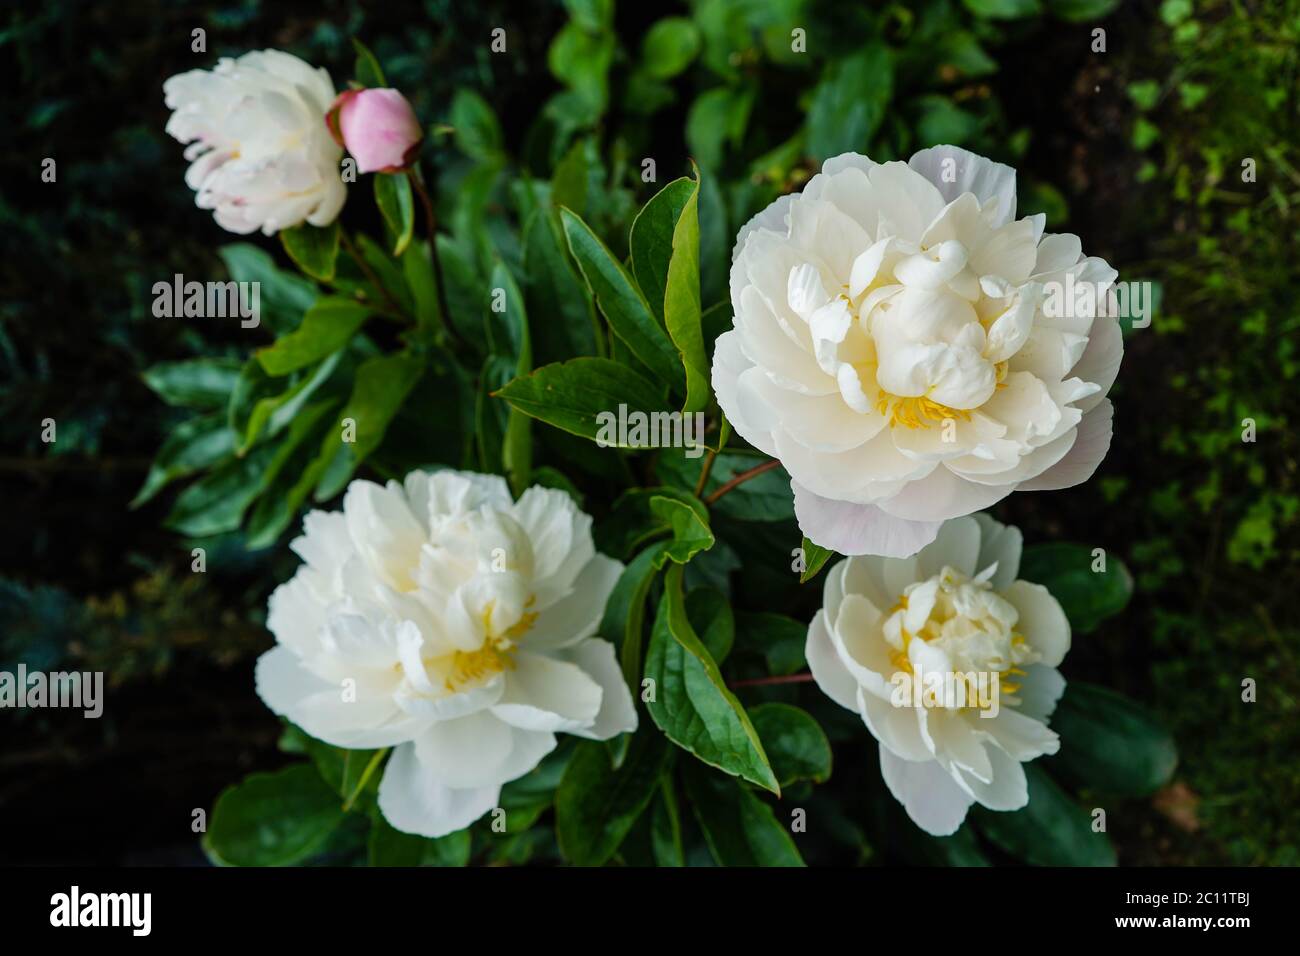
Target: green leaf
{"type": "Point", "coordinates": [314, 249]}
{"type": "Point", "coordinates": [622, 304]}
{"type": "Point", "coordinates": [814, 556]}
{"type": "Point", "coordinates": [795, 743]}
{"type": "Point", "coordinates": [637, 518]}
{"type": "Point", "coordinates": [1088, 597]}
{"type": "Point", "coordinates": [570, 395]}
{"type": "Point", "coordinates": [623, 622]}
{"type": "Point", "coordinates": [478, 132]}
{"type": "Point", "coordinates": [580, 59]}
{"type": "Point", "coordinates": [273, 414]}
{"type": "Point", "coordinates": [712, 619]}
{"type": "Point", "coordinates": [651, 239]}
{"type": "Point", "coordinates": [1111, 744]}
{"type": "Point", "coordinates": [194, 383]}
{"type": "Point", "coordinates": [940, 120]}
{"type": "Point", "coordinates": [1082, 11]}
{"type": "Point", "coordinates": [1052, 830]}
{"type": "Point", "coordinates": [780, 639]}
{"type": "Point", "coordinates": [596, 804]}
{"type": "Point", "coordinates": [328, 326]}
{"type": "Point", "coordinates": [569, 181]}
{"type": "Point", "coordinates": [849, 103]}
{"type": "Point", "coordinates": [1003, 9]}
{"type": "Point", "coordinates": [283, 297]}
{"type": "Point", "coordinates": [717, 116]}
{"type": "Point", "coordinates": [388, 271]}
{"type": "Point", "coordinates": [391, 847]}
{"type": "Point", "coordinates": [381, 385]}
{"type": "Point", "coordinates": [740, 829]}
{"type": "Point", "coordinates": [512, 330]}
{"type": "Point", "coordinates": [216, 502]}
{"type": "Point", "coordinates": [282, 490]}
{"type": "Point", "coordinates": [397, 206]}
{"type": "Point", "coordinates": [192, 446]}
{"type": "Point", "coordinates": [691, 702]}
{"type": "Point", "coordinates": [688, 520]}
{"type": "Point", "coordinates": [666, 826]}
{"type": "Point", "coordinates": [682, 305]}
{"type": "Point", "coordinates": [272, 819]}
{"type": "Point", "coordinates": [417, 270]}
{"type": "Point", "coordinates": [669, 46]}
{"type": "Point", "coordinates": [366, 70]}
{"type": "Point", "coordinates": [765, 497]}
{"type": "Point", "coordinates": [553, 288]}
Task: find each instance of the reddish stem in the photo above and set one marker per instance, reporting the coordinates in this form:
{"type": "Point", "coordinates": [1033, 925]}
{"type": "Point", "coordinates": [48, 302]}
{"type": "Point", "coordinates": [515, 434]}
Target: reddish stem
{"type": "Point", "coordinates": [740, 479]}
{"type": "Point", "coordinates": [769, 681]}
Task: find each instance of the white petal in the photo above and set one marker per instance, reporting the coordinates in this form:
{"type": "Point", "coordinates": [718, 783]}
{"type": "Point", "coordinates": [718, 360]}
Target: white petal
{"type": "Point", "coordinates": [1101, 359]}
{"type": "Point", "coordinates": [1092, 441]}
{"type": "Point", "coordinates": [1008, 789]}
{"type": "Point", "coordinates": [955, 740]}
{"type": "Point", "coordinates": [575, 617]}
{"type": "Point", "coordinates": [849, 528]}
{"type": "Point", "coordinates": [728, 363]}
{"type": "Point", "coordinates": [321, 709]}
{"type": "Point", "coordinates": [1021, 736]}
{"type": "Point", "coordinates": [942, 495]}
{"type": "Point", "coordinates": [413, 801]}
{"type": "Point", "coordinates": [970, 173]}
{"type": "Point", "coordinates": [957, 546]}
{"type": "Point", "coordinates": [827, 669]}
{"type": "Point", "coordinates": [1042, 621]}
{"type": "Point", "coordinates": [1001, 545]}
{"type": "Point", "coordinates": [1040, 689]}
{"type": "Point", "coordinates": [617, 710]}
{"type": "Point", "coordinates": [930, 796]}
{"type": "Point", "coordinates": [480, 751]}
{"type": "Point", "coordinates": [546, 694]}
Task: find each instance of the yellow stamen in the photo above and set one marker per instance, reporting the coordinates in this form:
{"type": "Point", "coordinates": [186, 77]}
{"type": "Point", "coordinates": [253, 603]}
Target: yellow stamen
{"type": "Point", "coordinates": [917, 411]}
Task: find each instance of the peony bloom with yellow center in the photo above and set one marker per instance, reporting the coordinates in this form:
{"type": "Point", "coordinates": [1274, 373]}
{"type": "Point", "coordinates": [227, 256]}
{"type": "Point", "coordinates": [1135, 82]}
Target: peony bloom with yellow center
{"type": "Point", "coordinates": [261, 156]}
{"type": "Point", "coordinates": [951, 663]}
{"type": "Point", "coordinates": [890, 347]}
{"type": "Point", "coordinates": [446, 620]}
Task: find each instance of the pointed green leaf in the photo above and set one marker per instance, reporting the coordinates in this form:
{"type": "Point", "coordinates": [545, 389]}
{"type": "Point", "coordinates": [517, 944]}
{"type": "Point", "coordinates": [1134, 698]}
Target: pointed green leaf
{"type": "Point", "coordinates": [622, 304]}
{"type": "Point", "coordinates": [314, 249]}
{"type": "Point", "coordinates": [570, 395]}
{"type": "Point", "coordinates": [691, 702]}
{"type": "Point", "coordinates": [397, 206]}
{"type": "Point", "coordinates": [328, 326]}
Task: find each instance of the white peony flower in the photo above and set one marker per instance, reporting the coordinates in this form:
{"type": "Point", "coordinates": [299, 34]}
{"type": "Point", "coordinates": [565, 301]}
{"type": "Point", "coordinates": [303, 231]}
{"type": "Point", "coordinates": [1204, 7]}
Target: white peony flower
{"type": "Point", "coordinates": [951, 663]}
{"type": "Point", "coordinates": [891, 349]}
{"type": "Point", "coordinates": [262, 156]}
{"type": "Point", "coordinates": [442, 618]}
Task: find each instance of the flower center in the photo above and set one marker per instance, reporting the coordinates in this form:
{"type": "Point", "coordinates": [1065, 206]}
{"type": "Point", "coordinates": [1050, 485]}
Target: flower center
{"type": "Point", "coordinates": [921, 411]}
{"type": "Point", "coordinates": [494, 656]}
{"type": "Point", "coordinates": [917, 411]}
{"type": "Point", "coordinates": [970, 623]}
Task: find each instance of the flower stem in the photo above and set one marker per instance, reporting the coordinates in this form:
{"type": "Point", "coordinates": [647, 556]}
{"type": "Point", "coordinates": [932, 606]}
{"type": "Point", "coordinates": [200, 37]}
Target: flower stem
{"type": "Point", "coordinates": [431, 220]}
{"type": "Point", "coordinates": [365, 778]}
{"type": "Point", "coordinates": [366, 271]}
{"type": "Point", "coordinates": [740, 479]}
{"type": "Point", "coordinates": [724, 432]}
{"type": "Point", "coordinates": [770, 681]}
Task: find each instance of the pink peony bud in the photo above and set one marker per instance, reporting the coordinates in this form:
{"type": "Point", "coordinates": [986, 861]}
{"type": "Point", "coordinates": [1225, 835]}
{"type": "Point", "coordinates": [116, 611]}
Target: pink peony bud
{"type": "Point", "coordinates": [378, 127]}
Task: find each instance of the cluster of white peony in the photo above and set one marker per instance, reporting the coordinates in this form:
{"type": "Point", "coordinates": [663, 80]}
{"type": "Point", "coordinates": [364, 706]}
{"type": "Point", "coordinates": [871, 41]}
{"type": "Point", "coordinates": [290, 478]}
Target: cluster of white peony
{"type": "Point", "coordinates": [889, 347]}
